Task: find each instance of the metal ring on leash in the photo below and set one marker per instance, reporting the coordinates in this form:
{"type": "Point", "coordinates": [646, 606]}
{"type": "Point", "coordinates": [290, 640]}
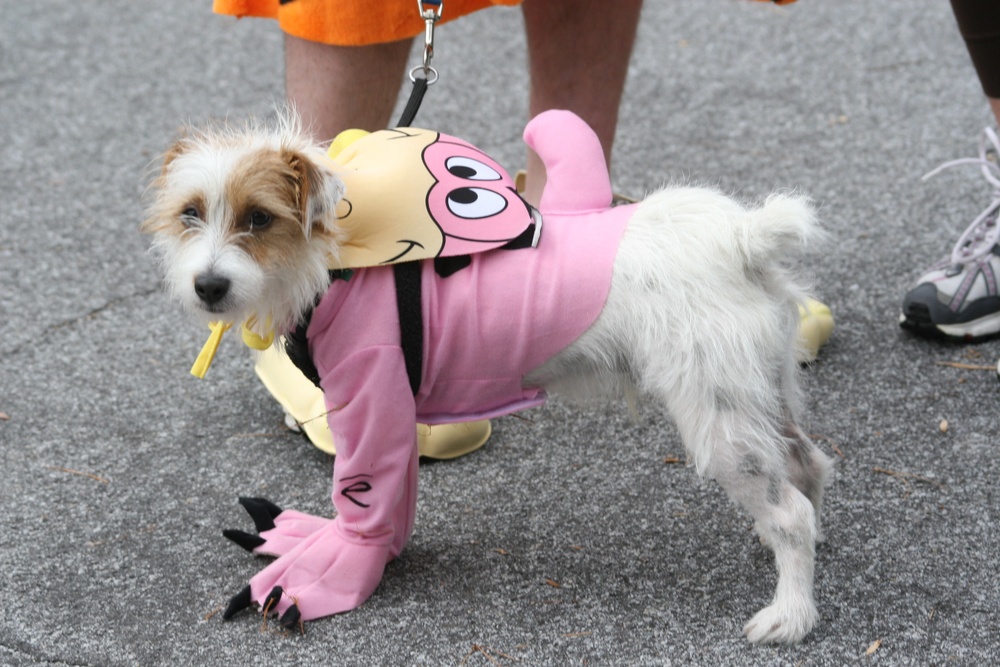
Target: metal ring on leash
{"type": "Point", "coordinates": [430, 74]}
{"type": "Point", "coordinates": [430, 12]}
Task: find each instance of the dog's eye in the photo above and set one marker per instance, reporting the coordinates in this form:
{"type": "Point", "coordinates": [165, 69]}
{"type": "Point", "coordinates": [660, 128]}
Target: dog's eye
{"type": "Point", "coordinates": [475, 203]}
{"type": "Point", "coordinates": [190, 215]}
{"type": "Point", "coordinates": [259, 219]}
{"type": "Point", "coordinates": [469, 169]}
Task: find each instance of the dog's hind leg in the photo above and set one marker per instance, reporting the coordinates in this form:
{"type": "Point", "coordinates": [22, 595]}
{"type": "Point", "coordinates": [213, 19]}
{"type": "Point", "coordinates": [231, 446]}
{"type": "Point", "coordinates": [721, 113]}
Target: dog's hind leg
{"type": "Point", "coordinates": [809, 469]}
{"type": "Point", "coordinates": [747, 453]}
{"type": "Point", "coordinates": [785, 519]}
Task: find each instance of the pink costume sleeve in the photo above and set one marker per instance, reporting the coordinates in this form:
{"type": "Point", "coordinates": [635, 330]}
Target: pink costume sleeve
{"type": "Point", "coordinates": [577, 173]}
{"type": "Point", "coordinates": [338, 566]}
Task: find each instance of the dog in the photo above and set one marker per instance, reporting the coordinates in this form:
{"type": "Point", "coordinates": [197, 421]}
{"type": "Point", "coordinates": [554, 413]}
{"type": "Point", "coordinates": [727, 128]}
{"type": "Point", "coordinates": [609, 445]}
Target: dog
{"type": "Point", "coordinates": [687, 297]}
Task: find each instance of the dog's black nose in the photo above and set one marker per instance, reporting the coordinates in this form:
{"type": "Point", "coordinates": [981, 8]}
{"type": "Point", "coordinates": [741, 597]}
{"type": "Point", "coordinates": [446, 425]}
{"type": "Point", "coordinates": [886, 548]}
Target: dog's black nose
{"type": "Point", "coordinates": [211, 288]}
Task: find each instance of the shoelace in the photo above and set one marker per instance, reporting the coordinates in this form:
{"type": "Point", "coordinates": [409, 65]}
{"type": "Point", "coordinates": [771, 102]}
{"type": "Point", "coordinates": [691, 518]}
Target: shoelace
{"type": "Point", "coordinates": [979, 238]}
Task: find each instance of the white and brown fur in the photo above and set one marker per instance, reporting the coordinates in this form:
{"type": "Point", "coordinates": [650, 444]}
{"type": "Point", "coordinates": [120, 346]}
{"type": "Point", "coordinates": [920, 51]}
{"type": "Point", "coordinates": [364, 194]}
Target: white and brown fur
{"type": "Point", "coordinates": [243, 222]}
{"type": "Point", "coordinates": [701, 316]}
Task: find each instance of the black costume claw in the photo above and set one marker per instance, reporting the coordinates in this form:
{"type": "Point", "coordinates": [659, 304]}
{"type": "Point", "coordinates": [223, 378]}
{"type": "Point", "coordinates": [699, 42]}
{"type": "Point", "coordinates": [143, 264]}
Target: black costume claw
{"type": "Point", "coordinates": [272, 599]}
{"type": "Point", "coordinates": [262, 511]}
{"type": "Point", "coordinates": [290, 619]}
{"type": "Point", "coordinates": [245, 540]}
{"type": "Point", "coordinates": [238, 603]}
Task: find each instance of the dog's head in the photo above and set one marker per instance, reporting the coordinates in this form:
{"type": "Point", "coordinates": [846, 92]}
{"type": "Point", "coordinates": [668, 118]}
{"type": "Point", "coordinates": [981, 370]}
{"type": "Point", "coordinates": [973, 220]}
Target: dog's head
{"type": "Point", "coordinates": [244, 222]}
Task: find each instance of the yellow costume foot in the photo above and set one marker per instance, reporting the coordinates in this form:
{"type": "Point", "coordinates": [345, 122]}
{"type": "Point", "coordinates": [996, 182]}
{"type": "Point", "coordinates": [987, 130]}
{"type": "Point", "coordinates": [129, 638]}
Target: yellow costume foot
{"type": "Point", "coordinates": [305, 411]}
{"type": "Point", "coordinates": [449, 441]}
{"type": "Point", "coordinates": [815, 328]}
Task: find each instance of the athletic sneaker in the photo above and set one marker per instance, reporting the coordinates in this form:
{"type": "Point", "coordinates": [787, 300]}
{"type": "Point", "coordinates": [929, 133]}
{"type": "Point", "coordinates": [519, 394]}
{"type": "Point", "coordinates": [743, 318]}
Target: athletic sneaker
{"type": "Point", "coordinates": [957, 297]}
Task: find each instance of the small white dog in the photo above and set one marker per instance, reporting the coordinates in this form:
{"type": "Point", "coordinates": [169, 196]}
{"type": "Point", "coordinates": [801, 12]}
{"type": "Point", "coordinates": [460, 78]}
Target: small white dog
{"type": "Point", "coordinates": [685, 297]}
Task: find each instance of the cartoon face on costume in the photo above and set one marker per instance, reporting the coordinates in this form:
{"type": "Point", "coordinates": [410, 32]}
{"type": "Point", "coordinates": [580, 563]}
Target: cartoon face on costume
{"type": "Point", "coordinates": [474, 201]}
{"type": "Point", "coordinates": [416, 194]}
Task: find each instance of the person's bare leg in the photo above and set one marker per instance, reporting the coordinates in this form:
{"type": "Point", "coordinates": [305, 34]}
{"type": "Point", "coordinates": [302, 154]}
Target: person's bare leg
{"type": "Point", "coordinates": [335, 88]}
{"type": "Point", "coordinates": [995, 106]}
{"type": "Point", "coordinates": [578, 55]}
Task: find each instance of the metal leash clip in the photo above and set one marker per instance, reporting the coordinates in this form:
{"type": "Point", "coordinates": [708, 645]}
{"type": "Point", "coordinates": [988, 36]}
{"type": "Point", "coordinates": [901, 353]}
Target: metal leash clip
{"type": "Point", "coordinates": [430, 12]}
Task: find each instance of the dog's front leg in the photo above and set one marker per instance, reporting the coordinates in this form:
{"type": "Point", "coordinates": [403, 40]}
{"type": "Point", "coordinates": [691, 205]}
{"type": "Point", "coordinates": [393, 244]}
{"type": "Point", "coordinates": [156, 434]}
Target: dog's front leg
{"type": "Point", "coordinates": [339, 565]}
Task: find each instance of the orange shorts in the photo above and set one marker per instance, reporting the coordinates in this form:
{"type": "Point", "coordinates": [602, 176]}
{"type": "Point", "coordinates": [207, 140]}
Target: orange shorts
{"type": "Point", "coordinates": [349, 22]}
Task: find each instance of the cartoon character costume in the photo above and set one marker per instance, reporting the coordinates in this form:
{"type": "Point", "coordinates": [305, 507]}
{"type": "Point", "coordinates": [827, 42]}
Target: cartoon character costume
{"type": "Point", "coordinates": [471, 206]}
{"type": "Point", "coordinates": [351, 23]}
{"type": "Point", "coordinates": [485, 325]}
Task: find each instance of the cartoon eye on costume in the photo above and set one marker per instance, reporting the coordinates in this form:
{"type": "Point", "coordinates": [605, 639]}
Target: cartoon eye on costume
{"type": "Point", "coordinates": [475, 203]}
{"type": "Point", "coordinates": [470, 169]}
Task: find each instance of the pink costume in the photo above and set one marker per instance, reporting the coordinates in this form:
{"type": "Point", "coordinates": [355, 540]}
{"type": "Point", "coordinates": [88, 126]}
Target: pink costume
{"type": "Point", "coordinates": [485, 328]}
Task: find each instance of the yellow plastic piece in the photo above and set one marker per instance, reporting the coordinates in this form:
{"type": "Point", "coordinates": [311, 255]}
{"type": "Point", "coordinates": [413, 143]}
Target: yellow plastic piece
{"type": "Point", "coordinates": [449, 441]}
{"type": "Point", "coordinates": [209, 349]}
{"type": "Point", "coordinates": [252, 340]}
{"type": "Point", "coordinates": [297, 395]}
{"type": "Point", "coordinates": [815, 328]}
{"type": "Point", "coordinates": [211, 346]}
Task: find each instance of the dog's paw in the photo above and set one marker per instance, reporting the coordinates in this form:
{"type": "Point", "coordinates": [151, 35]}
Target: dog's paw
{"type": "Point", "coordinates": [782, 623]}
{"type": "Point", "coordinates": [324, 574]}
{"type": "Point", "coordinates": [278, 531]}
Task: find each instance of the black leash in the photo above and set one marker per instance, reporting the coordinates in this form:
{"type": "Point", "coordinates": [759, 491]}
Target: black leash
{"type": "Point", "coordinates": [413, 104]}
{"type": "Point", "coordinates": [430, 12]}
{"type": "Point", "coordinates": [407, 274]}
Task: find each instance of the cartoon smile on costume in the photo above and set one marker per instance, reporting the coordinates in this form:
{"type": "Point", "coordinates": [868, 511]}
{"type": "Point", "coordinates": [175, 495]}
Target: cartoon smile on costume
{"type": "Point", "coordinates": [448, 198]}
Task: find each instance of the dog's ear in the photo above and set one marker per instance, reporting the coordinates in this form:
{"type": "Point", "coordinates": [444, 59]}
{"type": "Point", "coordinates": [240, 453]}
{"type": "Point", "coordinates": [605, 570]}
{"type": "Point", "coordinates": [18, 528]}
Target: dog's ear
{"type": "Point", "coordinates": [181, 145]}
{"type": "Point", "coordinates": [317, 190]}
{"type": "Point", "coordinates": [155, 219]}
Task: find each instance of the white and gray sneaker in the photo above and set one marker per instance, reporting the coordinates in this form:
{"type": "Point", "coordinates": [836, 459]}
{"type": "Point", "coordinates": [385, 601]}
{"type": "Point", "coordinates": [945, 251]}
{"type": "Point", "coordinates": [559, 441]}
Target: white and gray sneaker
{"type": "Point", "coordinates": [958, 296]}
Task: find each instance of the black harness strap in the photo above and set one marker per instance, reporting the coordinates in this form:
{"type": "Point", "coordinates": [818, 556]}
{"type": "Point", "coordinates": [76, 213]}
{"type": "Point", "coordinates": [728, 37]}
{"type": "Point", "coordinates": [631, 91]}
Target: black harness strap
{"type": "Point", "coordinates": [411, 326]}
{"type": "Point", "coordinates": [296, 343]}
{"type": "Point", "coordinates": [297, 349]}
{"type": "Point", "coordinates": [411, 322]}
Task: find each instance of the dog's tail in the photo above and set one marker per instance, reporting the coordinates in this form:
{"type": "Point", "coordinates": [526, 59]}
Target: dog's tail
{"type": "Point", "coordinates": [779, 230]}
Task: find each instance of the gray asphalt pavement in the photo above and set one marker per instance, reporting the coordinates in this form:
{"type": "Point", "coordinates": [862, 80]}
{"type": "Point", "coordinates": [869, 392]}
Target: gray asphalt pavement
{"type": "Point", "coordinates": [120, 470]}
